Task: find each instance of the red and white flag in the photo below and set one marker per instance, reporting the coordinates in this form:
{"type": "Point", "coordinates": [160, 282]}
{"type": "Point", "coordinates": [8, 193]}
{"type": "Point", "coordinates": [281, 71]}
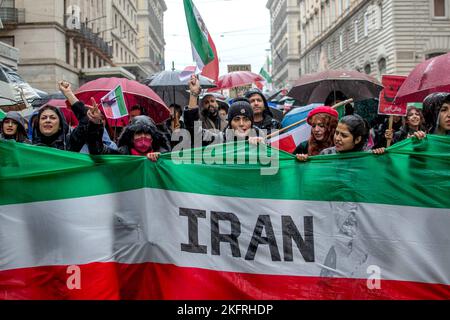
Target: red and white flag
{"type": "Point", "coordinates": [288, 141]}
{"type": "Point", "coordinates": [188, 72]}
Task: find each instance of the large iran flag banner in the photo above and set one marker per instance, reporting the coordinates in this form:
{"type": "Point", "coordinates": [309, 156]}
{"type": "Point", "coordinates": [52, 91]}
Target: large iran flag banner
{"type": "Point", "coordinates": [354, 226]}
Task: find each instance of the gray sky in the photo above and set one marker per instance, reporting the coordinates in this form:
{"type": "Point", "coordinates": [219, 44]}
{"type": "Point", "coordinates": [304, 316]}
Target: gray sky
{"type": "Point", "coordinates": [240, 30]}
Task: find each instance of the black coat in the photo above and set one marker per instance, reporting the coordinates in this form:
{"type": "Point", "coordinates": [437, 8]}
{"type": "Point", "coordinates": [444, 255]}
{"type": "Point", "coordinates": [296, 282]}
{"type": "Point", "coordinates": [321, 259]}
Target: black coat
{"type": "Point", "coordinates": [125, 143]}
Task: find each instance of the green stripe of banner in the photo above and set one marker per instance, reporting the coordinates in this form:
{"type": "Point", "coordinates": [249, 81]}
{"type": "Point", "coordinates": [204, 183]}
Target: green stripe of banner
{"type": "Point", "coordinates": [199, 41]}
{"type": "Point", "coordinates": [2, 114]}
{"type": "Point", "coordinates": [120, 101]}
{"type": "Point", "coordinates": [410, 174]}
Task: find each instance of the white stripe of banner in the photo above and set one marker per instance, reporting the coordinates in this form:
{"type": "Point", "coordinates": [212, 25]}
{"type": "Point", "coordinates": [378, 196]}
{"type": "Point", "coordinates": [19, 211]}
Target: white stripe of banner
{"type": "Point", "coordinates": [148, 225]}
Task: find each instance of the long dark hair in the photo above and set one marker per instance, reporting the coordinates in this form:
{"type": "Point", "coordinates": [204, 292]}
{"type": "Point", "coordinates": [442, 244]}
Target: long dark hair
{"type": "Point", "coordinates": [422, 119]}
{"type": "Point", "coordinates": [358, 127]}
{"type": "Point", "coordinates": [21, 133]}
{"type": "Point", "coordinates": [431, 107]}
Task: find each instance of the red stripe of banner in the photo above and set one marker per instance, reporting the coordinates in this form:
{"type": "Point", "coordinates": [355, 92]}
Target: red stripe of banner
{"type": "Point", "coordinates": [111, 281]}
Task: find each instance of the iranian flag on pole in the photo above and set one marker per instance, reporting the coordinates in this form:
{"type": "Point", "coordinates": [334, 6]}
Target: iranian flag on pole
{"type": "Point", "coordinates": [202, 224]}
{"type": "Point", "coordinates": [201, 42]}
{"type": "Point", "coordinates": [114, 104]}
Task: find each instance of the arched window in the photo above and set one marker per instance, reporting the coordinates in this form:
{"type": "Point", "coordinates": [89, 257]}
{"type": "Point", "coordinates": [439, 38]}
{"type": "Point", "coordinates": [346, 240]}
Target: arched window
{"type": "Point", "coordinates": [382, 66]}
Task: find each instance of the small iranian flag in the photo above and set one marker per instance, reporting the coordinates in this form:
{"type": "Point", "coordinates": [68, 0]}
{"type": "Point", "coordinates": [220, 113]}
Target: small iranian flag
{"type": "Point", "coordinates": [202, 51]}
{"type": "Point", "coordinates": [114, 104]}
{"type": "Point", "coordinates": [187, 72]}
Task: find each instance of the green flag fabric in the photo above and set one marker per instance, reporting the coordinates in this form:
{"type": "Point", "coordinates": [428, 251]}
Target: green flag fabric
{"type": "Point", "coordinates": [231, 221]}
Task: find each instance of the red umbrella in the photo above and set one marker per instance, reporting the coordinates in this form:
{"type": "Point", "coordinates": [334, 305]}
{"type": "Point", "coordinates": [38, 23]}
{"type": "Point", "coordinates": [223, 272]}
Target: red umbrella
{"type": "Point", "coordinates": [315, 87]}
{"type": "Point", "coordinates": [430, 76]}
{"type": "Point", "coordinates": [236, 79]}
{"type": "Point", "coordinates": [134, 93]}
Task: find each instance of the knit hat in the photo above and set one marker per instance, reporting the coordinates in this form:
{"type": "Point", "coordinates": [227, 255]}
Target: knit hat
{"type": "Point", "coordinates": [240, 107]}
{"type": "Point", "coordinates": [322, 109]}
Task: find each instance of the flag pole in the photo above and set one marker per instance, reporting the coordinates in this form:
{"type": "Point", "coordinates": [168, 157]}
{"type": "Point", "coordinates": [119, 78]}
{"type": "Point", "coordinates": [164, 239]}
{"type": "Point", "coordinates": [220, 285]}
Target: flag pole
{"type": "Point", "coordinates": [391, 123]}
{"type": "Point", "coordinates": [337, 105]}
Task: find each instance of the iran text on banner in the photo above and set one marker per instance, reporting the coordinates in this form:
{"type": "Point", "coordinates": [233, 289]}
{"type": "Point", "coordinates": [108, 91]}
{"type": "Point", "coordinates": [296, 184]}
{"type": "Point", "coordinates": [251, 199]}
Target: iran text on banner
{"type": "Point", "coordinates": [114, 104]}
{"type": "Point", "coordinates": [202, 51]}
{"type": "Point", "coordinates": [353, 226]}
{"type": "Point", "coordinates": [288, 141]}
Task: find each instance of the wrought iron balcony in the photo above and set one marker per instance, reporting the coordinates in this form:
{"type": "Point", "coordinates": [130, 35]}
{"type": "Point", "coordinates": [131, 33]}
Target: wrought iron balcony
{"type": "Point", "coordinates": [85, 33]}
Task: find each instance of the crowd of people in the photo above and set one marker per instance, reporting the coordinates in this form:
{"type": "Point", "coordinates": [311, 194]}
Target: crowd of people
{"type": "Point", "coordinates": [248, 117]}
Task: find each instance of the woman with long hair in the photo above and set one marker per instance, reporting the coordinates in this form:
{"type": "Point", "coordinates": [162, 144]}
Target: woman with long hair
{"type": "Point", "coordinates": [323, 121]}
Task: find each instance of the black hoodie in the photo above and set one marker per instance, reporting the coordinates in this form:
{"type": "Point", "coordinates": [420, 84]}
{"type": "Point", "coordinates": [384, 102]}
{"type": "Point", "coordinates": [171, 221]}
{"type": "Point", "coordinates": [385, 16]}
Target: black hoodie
{"type": "Point", "coordinates": [21, 135]}
{"type": "Point", "coordinates": [268, 123]}
{"type": "Point", "coordinates": [139, 124]}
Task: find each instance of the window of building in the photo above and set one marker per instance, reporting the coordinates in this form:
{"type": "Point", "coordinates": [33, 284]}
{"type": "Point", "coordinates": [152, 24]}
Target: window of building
{"type": "Point", "coordinates": [75, 56]}
{"type": "Point", "coordinates": [367, 68]}
{"type": "Point", "coordinates": [434, 54]}
{"type": "Point", "coordinates": [8, 4]}
{"type": "Point", "coordinates": [440, 8]}
{"type": "Point", "coordinates": [8, 40]}
{"type": "Point", "coordinates": [382, 66]}
{"type": "Point", "coordinates": [366, 24]}
{"type": "Point", "coordinates": [68, 51]}
{"type": "Point", "coordinates": [329, 50]}
{"type": "Point", "coordinates": [82, 58]}
{"type": "Point", "coordinates": [356, 31]}
{"type": "Point", "coordinates": [341, 42]}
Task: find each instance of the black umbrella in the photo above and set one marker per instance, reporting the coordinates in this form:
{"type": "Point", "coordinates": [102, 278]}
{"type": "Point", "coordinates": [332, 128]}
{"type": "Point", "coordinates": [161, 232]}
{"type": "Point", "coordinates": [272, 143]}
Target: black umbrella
{"type": "Point", "coordinates": [171, 89]}
{"type": "Point", "coordinates": [316, 87]}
